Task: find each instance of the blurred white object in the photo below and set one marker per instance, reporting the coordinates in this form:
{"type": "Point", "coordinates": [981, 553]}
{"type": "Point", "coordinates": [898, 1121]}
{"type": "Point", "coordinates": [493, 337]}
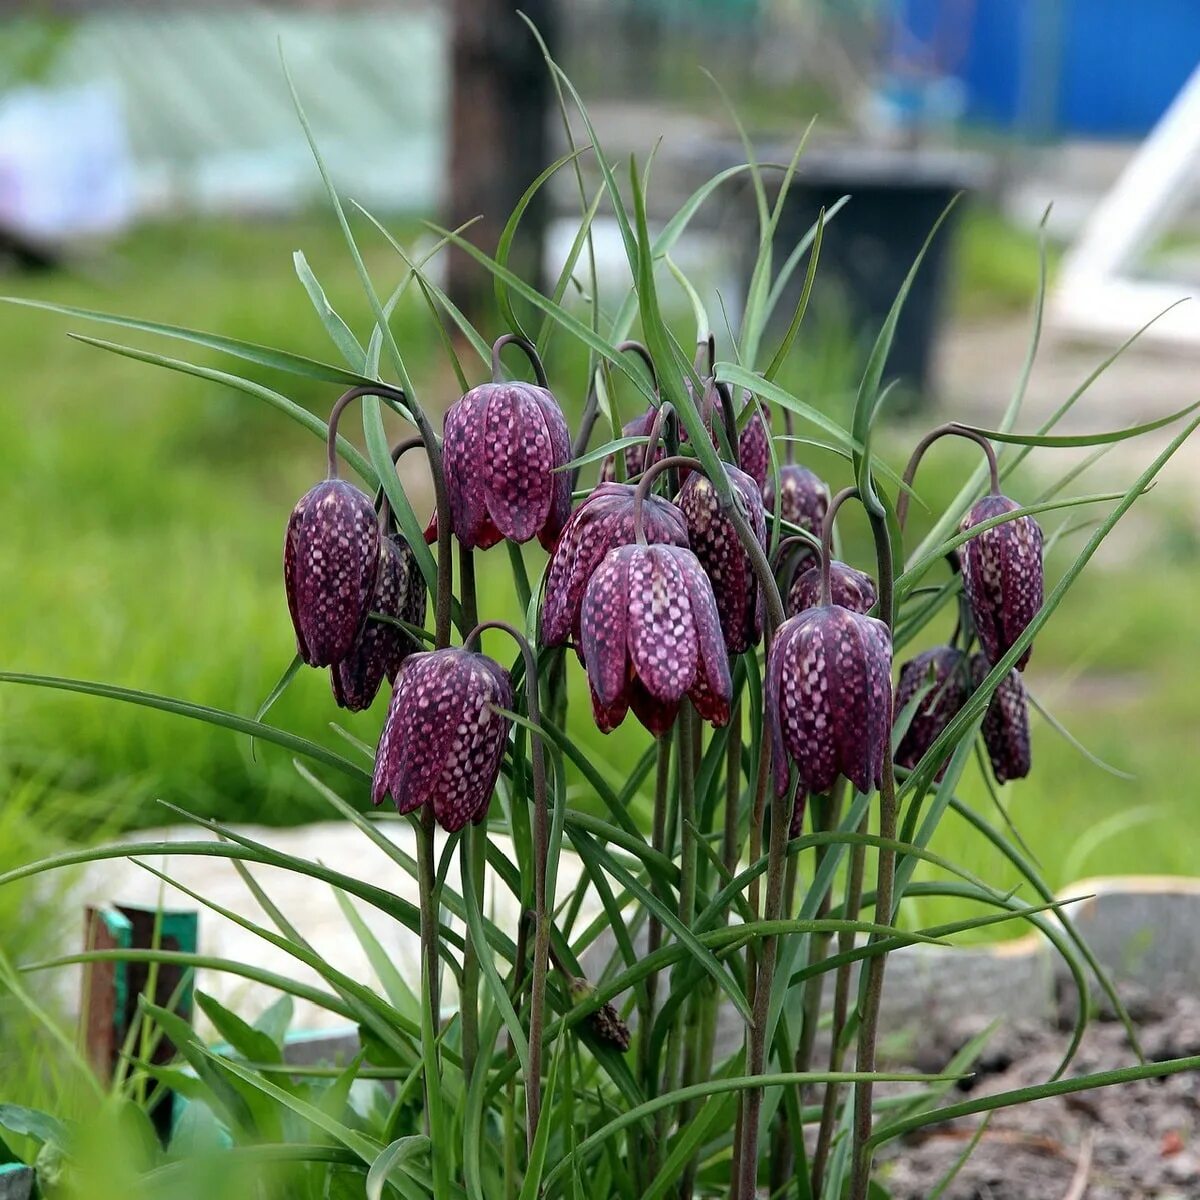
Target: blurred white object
{"type": "Point", "coordinates": [1097, 293]}
{"type": "Point", "coordinates": [65, 168]}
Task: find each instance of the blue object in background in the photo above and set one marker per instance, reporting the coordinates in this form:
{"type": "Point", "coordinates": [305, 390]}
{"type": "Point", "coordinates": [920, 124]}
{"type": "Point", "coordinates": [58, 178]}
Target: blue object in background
{"type": "Point", "coordinates": [1084, 68]}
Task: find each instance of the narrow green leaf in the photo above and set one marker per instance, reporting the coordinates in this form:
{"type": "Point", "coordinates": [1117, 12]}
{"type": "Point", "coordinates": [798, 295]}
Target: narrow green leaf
{"type": "Point", "coordinates": [289, 408]}
{"type": "Point", "coordinates": [1063, 441]}
{"type": "Point", "coordinates": [196, 712]}
{"type": "Point", "coordinates": [390, 1159]}
{"type": "Point", "coordinates": [337, 329]}
{"type": "Point", "coordinates": [263, 356]}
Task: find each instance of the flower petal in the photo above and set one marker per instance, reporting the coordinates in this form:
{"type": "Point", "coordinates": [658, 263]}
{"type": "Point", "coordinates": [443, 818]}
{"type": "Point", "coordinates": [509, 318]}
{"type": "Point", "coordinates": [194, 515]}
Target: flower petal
{"type": "Point", "coordinates": [518, 461]}
{"type": "Point", "coordinates": [604, 623]}
{"type": "Point", "coordinates": [661, 633]}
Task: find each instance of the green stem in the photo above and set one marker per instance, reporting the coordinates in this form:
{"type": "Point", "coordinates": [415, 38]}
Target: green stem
{"type": "Point", "coordinates": [733, 790]}
{"type": "Point", "coordinates": [781, 806]}
{"type": "Point", "coordinates": [687, 877]}
{"type": "Point", "coordinates": [427, 882]}
{"type": "Point", "coordinates": [868, 1027]}
{"type": "Point", "coordinates": [649, 994]}
{"type": "Point", "coordinates": [841, 1005]}
{"type": "Point", "coordinates": [474, 859]}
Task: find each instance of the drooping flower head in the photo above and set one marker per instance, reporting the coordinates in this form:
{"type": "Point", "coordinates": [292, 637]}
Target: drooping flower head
{"type": "Point", "coordinates": [330, 561]}
{"type": "Point", "coordinates": [754, 452]}
{"type": "Point", "coordinates": [635, 456]}
{"type": "Point", "coordinates": [383, 646]}
{"type": "Point", "coordinates": [601, 523]}
{"type": "Point", "coordinates": [1005, 724]}
{"type": "Point", "coordinates": [829, 698]}
{"type": "Point", "coordinates": [848, 587]}
{"type": "Point", "coordinates": [944, 671]}
{"type": "Point", "coordinates": [716, 544]}
{"type": "Point", "coordinates": [443, 740]}
{"type": "Point", "coordinates": [650, 635]}
{"type": "Point", "coordinates": [502, 449]}
{"type": "Point", "coordinates": [1003, 577]}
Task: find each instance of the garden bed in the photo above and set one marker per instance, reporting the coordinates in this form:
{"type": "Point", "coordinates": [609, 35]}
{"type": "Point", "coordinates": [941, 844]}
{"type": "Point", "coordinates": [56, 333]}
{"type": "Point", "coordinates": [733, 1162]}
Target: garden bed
{"type": "Point", "coordinates": [1135, 1142]}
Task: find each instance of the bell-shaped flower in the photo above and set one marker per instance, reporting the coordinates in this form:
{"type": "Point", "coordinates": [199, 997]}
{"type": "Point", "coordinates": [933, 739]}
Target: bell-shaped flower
{"type": "Point", "coordinates": [944, 672]}
{"type": "Point", "coordinates": [1003, 577]}
{"type": "Point", "coordinates": [444, 739]}
{"type": "Point", "coordinates": [1005, 724]}
{"type": "Point", "coordinates": [719, 549]}
{"type": "Point", "coordinates": [851, 588]}
{"type": "Point", "coordinates": [503, 449]}
{"type": "Point", "coordinates": [650, 635]}
{"type": "Point", "coordinates": [601, 523]}
{"type": "Point", "coordinates": [829, 698]}
{"type": "Point", "coordinates": [330, 561]}
{"type": "Point", "coordinates": [754, 450]}
{"type": "Point", "coordinates": [383, 646]}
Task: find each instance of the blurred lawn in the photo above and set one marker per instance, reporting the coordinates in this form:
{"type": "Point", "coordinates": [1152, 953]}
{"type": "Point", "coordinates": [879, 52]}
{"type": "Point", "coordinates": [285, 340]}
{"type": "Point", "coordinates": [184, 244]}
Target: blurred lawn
{"type": "Point", "coordinates": [144, 513]}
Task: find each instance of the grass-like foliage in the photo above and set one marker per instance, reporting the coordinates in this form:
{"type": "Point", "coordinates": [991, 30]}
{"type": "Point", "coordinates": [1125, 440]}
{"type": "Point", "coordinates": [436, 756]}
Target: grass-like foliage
{"type": "Point", "coordinates": [712, 1030]}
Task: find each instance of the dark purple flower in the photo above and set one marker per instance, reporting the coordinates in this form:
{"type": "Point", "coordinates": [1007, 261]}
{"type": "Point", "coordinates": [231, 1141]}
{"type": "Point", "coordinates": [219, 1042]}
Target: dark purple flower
{"type": "Point", "coordinates": [502, 446]}
{"type": "Point", "coordinates": [1005, 724]}
{"type": "Point", "coordinates": [754, 452]}
{"type": "Point", "coordinates": [601, 523]}
{"type": "Point", "coordinates": [1002, 576]}
{"type": "Point", "coordinates": [848, 587]}
{"type": "Point", "coordinates": [944, 671]}
{"type": "Point", "coordinates": [650, 635]}
{"type": "Point", "coordinates": [803, 497]}
{"type": "Point", "coordinates": [719, 549]}
{"type": "Point", "coordinates": [382, 647]}
{"type": "Point", "coordinates": [330, 560]}
{"type": "Point", "coordinates": [443, 739]}
{"type": "Point", "coordinates": [829, 698]}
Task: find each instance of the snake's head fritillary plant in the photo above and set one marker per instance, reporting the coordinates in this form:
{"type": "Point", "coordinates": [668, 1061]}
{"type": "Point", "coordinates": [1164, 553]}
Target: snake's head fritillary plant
{"type": "Point", "coordinates": [601, 523]}
{"type": "Point", "coordinates": [444, 737]}
{"type": "Point", "coordinates": [383, 645]}
{"type": "Point", "coordinates": [651, 636]}
{"type": "Point", "coordinates": [330, 561]}
{"type": "Point", "coordinates": [848, 587]}
{"type": "Point", "coordinates": [943, 671]}
{"type": "Point", "coordinates": [1005, 724]}
{"type": "Point", "coordinates": [635, 456]}
{"type": "Point", "coordinates": [716, 544]}
{"type": "Point", "coordinates": [504, 447]}
{"type": "Point", "coordinates": [829, 698]}
{"type": "Point", "coordinates": [1003, 576]}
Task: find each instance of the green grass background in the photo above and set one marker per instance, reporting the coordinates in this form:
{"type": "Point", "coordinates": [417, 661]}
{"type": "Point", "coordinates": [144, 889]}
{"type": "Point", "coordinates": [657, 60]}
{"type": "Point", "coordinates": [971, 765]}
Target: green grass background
{"type": "Point", "coordinates": [143, 518]}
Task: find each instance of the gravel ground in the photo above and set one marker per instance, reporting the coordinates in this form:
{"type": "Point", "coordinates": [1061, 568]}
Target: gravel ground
{"type": "Point", "coordinates": [1138, 1141]}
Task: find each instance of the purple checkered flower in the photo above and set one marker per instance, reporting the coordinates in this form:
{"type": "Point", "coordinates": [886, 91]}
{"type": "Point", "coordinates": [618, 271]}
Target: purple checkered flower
{"type": "Point", "coordinates": [502, 447]}
{"type": "Point", "coordinates": [1003, 578]}
{"type": "Point", "coordinates": [330, 561]}
{"type": "Point", "coordinates": [848, 587]}
{"type": "Point", "coordinates": [944, 671]}
{"type": "Point", "coordinates": [754, 452]}
{"type": "Point", "coordinates": [601, 523]}
{"type": "Point", "coordinates": [635, 456]}
{"type": "Point", "coordinates": [650, 635]}
{"type": "Point", "coordinates": [803, 497]}
{"type": "Point", "coordinates": [1005, 724]}
{"type": "Point", "coordinates": [443, 740]}
{"type": "Point", "coordinates": [721, 554]}
{"type": "Point", "coordinates": [829, 698]}
{"type": "Point", "coordinates": [382, 647]}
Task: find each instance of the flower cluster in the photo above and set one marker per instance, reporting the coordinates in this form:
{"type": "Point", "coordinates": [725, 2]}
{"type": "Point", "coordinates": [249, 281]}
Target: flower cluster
{"type": "Point", "coordinates": [659, 585]}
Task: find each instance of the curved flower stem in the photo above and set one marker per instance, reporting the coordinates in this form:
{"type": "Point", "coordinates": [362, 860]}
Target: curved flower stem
{"type": "Point", "coordinates": [530, 351]}
{"type": "Point", "coordinates": [632, 347]}
{"type": "Point", "coordinates": [950, 430]}
{"type": "Point", "coordinates": [382, 503]}
{"type": "Point", "coordinates": [850, 493]}
{"type": "Point", "coordinates": [729, 419]}
{"type": "Point", "coordinates": [541, 839]}
{"type": "Point", "coordinates": [433, 450]}
{"type": "Point", "coordinates": [759, 562]}
{"type": "Point", "coordinates": [868, 1027]}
